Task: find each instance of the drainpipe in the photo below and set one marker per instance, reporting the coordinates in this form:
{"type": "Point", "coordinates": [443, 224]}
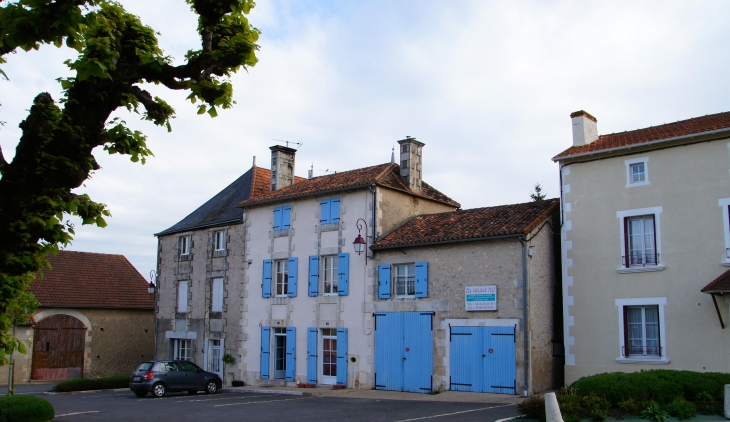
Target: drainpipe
{"type": "Point", "coordinates": [524, 310]}
{"type": "Point", "coordinates": [372, 190]}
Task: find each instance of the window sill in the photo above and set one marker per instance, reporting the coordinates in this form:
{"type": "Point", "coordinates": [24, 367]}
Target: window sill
{"type": "Point", "coordinates": [644, 361]}
{"type": "Point", "coordinates": [633, 185]}
{"type": "Point", "coordinates": [283, 233]}
{"type": "Point", "coordinates": [726, 262]}
{"type": "Point", "coordinates": [624, 270]}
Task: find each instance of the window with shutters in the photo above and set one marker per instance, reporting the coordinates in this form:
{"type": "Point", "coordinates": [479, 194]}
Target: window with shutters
{"type": "Point", "coordinates": [637, 172]}
{"type": "Point", "coordinates": [184, 245]}
{"type": "Point", "coordinates": [640, 240]}
{"type": "Point", "coordinates": [182, 296]}
{"type": "Point", "coordinates": [282, 218]}
{"type": "Point", "coordinates": [217, 295]}
{"type": "Point", "coordinates": [219, 240]}
{"type": "Point", "coordinates": [641, 322]}
{"type": "Point", "coordinates": [281, 275]}
{"type": "Point", "coordinates": [405, 280]}
{"type": "Point", "coordinates": [328, 274]}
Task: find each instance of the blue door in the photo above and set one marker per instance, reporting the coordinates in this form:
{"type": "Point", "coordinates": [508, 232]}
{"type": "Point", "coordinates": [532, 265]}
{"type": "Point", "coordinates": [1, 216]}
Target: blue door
{"type": "Point", "coordinates": [404, 351]}
{"type": "Point", "coordinates": [483, 359]}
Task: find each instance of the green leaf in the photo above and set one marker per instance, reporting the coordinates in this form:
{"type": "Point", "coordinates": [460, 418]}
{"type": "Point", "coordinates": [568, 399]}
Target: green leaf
{"type": "Point", "coordinates": [201, 109]}
{"type": "Point", "coordinates": [212, 112]}
{"type": "Point", "coordinates": [21, 348]}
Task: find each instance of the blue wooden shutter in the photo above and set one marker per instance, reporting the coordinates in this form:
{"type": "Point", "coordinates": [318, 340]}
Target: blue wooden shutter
{"type": "Point", "coordinates": [324, 217]}
{"type": "Point", "coordinates": [266, 283]}
{"type": "Point", "coordinates": [335, 210]}
{"type": "Point", "coordinates": [313, 275]}
{"type": "Point", "coordinates": [422, 279]}
{"type": "Point", "coordinates": [291, 350]}
{"type": "Point", "coordinates": [342, 356]}
{"type": "Point", "coordinates": [286, 217]}
{"type": "Point", "coordinates": [343, 274]}
{"type": "Point", "coordinates": [293, 276]}
{"type": "Point", "coordinates": [277, 218]}
{"type": "Point", "coordinates": [312, 355]}
{"type": "Point", "coordinates": [265, 343]}
{"type": "Point", "coordinates": [384, 281]}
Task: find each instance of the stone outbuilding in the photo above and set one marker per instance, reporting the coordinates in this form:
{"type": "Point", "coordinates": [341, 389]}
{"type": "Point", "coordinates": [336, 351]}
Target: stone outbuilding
{"type": "Point", "coordinates": [95, 319]}
{"type": "Point", "coordinates": [473, 296]}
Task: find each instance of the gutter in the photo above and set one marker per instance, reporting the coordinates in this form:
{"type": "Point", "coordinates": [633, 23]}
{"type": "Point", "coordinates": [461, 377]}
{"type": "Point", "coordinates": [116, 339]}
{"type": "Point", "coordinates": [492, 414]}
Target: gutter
{"type": "Point", "coordinates": [476, 239]}
{"type": "Point", "coordinates": [199, 226]}
{"type": "Point", "coordinates": [524, 312]}
{"type": "Point", "coordinates": [658, 141]}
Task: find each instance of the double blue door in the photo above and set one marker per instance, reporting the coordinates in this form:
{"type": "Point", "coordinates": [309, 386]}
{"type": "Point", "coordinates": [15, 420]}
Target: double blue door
{"type": "Point", "coordinates": [483, 359]}
{"type": "Point", "coordinates": [404, 351]}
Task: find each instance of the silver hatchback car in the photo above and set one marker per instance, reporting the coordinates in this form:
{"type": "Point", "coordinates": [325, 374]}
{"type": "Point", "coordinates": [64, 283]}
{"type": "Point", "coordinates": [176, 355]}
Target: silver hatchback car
{"type": "Point", "coordinates": [162, 376]}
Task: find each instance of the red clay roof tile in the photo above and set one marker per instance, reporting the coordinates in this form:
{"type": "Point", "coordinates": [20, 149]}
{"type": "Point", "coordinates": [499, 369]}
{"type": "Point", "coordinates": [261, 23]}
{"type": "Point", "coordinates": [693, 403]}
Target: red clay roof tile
{"type": "Point", "coordinates": [475, 223]}
{"type": "Point", "coordinates": [91, 280]}
{"type": "Point", "coordinates": [719, 285]}
{"type": "Point", "coordinates": [670, 130]}
{"type": "Point", "coordinates": [386, 175]}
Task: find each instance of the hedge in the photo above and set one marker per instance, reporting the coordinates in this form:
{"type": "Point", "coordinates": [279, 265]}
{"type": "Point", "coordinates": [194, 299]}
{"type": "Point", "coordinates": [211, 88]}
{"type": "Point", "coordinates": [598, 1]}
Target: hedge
{"type": "Point", "coordinates": [83, 384]}
{"type": "Point", "coordinates": [26, 409]}
{"type": "Point", "coordinates": [660, 385]}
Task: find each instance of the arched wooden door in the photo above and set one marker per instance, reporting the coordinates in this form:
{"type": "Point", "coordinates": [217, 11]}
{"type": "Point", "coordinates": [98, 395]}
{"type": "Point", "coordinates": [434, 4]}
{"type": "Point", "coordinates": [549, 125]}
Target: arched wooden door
{"type": "Point", "coordinates": [58, 348]}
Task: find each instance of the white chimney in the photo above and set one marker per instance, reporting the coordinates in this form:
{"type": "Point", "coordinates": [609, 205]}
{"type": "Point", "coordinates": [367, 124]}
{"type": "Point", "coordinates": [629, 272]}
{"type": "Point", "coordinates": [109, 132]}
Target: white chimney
{"type": "Point", "coordinates": [585, 128]}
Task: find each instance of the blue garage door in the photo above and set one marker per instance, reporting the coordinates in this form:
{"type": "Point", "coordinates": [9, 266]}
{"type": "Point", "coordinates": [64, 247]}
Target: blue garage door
{"type": "Point", "coordinates": [483, 359]}
{"type": "Point", "coordinates": [404, 351]}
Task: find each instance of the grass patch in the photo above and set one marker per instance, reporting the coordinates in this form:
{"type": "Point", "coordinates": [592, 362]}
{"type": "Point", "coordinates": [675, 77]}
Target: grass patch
{"type": "Point", "coordinates": [25, 408]}
{"type": "Point", "coordinates": [84, 384]}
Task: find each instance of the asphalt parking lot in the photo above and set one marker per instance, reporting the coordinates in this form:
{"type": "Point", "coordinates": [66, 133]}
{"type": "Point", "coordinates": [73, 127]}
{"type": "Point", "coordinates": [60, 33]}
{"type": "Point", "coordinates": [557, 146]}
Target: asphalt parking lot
{"type": "Point", "coordinates": [125, 406]}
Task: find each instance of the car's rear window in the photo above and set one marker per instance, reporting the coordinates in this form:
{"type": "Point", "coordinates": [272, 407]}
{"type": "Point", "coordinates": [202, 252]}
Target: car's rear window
{"type": "Point", "coordinates": [145, 366]}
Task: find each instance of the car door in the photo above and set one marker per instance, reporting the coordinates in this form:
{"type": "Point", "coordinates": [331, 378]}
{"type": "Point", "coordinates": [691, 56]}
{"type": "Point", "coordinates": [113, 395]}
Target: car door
{"type": "Point", "coordinates": [171, 375]}
{"type": "Point", "coordinates": [193, 375]}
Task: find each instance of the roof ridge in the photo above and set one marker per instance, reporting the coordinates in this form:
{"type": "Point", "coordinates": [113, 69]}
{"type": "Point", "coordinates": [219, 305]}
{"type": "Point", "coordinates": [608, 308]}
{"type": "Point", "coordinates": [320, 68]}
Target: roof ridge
{"type": "Point", "coordinates": [388, 166]}
{"type": "Point", "coordinates": [665, 124]}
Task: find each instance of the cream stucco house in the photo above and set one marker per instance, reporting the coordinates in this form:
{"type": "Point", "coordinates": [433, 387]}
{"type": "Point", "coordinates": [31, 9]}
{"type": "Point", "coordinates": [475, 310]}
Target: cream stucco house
{"type": "Point", "coordinates": [645, 228]}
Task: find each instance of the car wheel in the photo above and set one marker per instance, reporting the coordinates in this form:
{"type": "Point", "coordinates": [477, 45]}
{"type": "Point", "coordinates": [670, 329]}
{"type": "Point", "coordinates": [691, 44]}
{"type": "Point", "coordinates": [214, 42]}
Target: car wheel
{"type": "Point", "coordinates": [140, 393]}
{"type": "Point", "coordinates": [158, 390]}
{"type": "Point", "coordinates": [192, 391]}
{"type": "Point", "coordinates": [211, 387]}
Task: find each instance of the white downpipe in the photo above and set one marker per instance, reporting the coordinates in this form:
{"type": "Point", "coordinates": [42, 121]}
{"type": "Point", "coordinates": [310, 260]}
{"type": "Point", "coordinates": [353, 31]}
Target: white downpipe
{"type": "Point", "coordinates": [530, 370]}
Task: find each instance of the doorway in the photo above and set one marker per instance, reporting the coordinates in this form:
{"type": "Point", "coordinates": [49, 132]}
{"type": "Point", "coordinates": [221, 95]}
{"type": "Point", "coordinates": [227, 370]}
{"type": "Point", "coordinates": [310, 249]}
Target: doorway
{"type": "Point", "coordinates": [58, 348]}
{"type": "Point", "coordinates": [215, 357]}
{"type": "Point", "coordinates": [329, 356]}
{"type": "Point", "coordinates": [279, 352]}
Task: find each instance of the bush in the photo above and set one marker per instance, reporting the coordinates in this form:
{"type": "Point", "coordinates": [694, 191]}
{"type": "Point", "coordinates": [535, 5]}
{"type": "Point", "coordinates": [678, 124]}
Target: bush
{"type": "Point", "coordinates": [25, 408]}
{"type": "Point", "coordinates": [83, 384]}
{"type": "Point", "coordinates": [654, 413]}
{"type": "Point", "coordinates": [575, 408]}
{"type": "Point", "coordinates": [705, 403]}
{"type": "Point", "coordinates": [661, 386]}
{"type": "Point", "coordinates": [681, 408]}
{"type": "Point", "coordinates": [533, 407]}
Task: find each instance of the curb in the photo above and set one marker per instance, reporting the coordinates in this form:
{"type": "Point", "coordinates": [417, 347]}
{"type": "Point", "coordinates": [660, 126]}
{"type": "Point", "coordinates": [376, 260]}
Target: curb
{"type": "Point", "coordinates": [259, 391]}
{"type": "Point", "coordinates": [108, 390]}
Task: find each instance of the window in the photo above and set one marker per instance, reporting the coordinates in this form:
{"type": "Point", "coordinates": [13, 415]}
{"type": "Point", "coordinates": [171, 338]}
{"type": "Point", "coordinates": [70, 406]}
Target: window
{"type": "Point", "coordinates": [641, 241]}
{"type": "Point", "coordinates": [329, 274]}
{"type": "Point", "coordinates": [181, 349]}
{"type": "Point", "coordinates": [182, 296]}
{"type": "Point", "coordinates": [219, 240]}
{"type": "Point", "coordinates": [404, 148]}
{"type": "Point", "coordinates": [185, 245]}
{"type": "Point", "coordinates": [641, 247]}
{"type": "Point", "coordinates": [282, 277]}
{"type": "Point", "coordinates": [217, 290]}
{"type": "Point", "coordinates": [641, 330]}
{"type": "Point", "coordinates": [725, 205]}
{"type": "Point", "coordinates": [405, 280]}
{"type": "Point", "coordinates": [330, 211]}
{"type": "Point", "coordinates": [329, 356]}
{"type": "Point", "coordinates": [282, 217]}
{"type": "Point", "coordinates": [637, 172]}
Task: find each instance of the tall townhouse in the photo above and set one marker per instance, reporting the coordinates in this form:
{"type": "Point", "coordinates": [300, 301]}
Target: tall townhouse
{"type": "Point", "coordinates": [646, 247]}
{"type": "Point", "coordinates": [200, 270]}
{"type": "Point", "coordinates": [308, 296]}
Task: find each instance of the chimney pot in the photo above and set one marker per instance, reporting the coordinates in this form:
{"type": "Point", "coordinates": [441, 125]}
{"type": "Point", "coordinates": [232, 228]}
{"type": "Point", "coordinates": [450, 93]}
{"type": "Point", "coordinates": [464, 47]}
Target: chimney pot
{"type": "Point", "coordinates": [585, 128]}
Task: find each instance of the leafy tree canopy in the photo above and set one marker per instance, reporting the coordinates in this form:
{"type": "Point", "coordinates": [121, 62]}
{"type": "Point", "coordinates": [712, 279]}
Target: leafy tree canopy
{"type": "Point", "coordinates": [117, 55]}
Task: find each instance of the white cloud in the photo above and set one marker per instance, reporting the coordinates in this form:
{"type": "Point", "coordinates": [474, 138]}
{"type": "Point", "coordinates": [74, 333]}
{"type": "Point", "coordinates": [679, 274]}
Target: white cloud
{"type": "Point", "coordinates": [488, 86]}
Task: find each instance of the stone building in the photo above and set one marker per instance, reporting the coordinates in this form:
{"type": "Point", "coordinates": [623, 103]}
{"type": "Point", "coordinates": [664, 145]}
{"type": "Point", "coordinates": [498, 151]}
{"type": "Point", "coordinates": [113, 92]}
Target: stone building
{"type": "Point", "coordinates": [469, 300]}
{"type": "Point", "coordinates": [95, 319]}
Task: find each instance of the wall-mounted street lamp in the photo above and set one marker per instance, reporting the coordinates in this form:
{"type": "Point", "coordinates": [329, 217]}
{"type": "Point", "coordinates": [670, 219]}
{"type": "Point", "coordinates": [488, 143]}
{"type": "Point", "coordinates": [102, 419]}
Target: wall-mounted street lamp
{"type": "Point", "coordinates": [361, 244]}
{"type": "Point", "coordinates": [151, 286]}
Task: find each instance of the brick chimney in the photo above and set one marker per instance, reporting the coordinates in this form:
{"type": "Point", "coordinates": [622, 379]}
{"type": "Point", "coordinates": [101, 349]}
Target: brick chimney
{"type": "Point", "coordinates": [282, 167]}
{"type": "Point", "coordinates": [585, 129]}
{"type": "Point", "coordinates": [410, 162]}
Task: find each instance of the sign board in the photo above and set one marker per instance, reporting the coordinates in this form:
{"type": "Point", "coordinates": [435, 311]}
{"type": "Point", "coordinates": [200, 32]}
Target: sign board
{"type": "Point", "coordinates": [481, 298]}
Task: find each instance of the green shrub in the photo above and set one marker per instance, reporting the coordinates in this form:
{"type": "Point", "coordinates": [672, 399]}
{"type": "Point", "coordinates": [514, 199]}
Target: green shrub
{"type": "Point", "coordinates": [25, 408]}
{"type": "Point", "coordinates": [570, 406]}
{"type": "Point", "coordinates": [630, 406]}
{"type": "Point", "coordinates": [595, 407]}
{"type": "Point", "coordinates": [661, 386]}
{"type": "Point", "coordinates": [654, 413]}
{"type": "Point", "coordinates": [83, 384]}
{"type": "Point", "coordinates": [533, 407]}
{"type": "Point", "coordinates": [705, 403]}
{"type": "Point", "coordinates": [681, 408]}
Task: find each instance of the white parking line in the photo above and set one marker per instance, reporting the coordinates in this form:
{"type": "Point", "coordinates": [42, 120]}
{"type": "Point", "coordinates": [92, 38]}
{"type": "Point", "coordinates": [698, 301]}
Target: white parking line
{"type": "Point", "coordinates": [224, 398]}
{"type": "Point", "coordinates": [454, 413]}
{"type": "Point", "coordinates": [105, 395]}
{"type": "Point", "coordinates": [254, 402]}
{"type": "Point", "coordinates": [78, 413]}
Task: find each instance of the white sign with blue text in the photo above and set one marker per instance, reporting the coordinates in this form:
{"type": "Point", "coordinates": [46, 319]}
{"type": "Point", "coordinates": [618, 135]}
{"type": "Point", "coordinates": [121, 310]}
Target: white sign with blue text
{"type": "Point", "coordinates": [481, 298]}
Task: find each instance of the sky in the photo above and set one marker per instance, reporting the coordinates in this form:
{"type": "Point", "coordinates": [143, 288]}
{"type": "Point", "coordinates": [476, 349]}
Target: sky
{"type": "Point", "coordinates": [488, 86]}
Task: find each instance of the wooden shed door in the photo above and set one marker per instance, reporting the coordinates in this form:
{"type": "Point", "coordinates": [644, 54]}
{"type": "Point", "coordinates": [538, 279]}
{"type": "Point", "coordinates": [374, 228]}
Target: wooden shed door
{"type": "Point", "coordinates": [58, 348]}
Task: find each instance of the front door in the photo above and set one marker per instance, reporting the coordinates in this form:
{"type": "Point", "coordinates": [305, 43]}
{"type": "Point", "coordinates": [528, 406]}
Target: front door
{"type": "Point", "coordinates": [215, 357]}
{"type": "Point", "coordinates": [329, 356]}
{"type": "Point", "coordinates": [58, 348]}
{"type": "Point", "coordinates": [280, 353]}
